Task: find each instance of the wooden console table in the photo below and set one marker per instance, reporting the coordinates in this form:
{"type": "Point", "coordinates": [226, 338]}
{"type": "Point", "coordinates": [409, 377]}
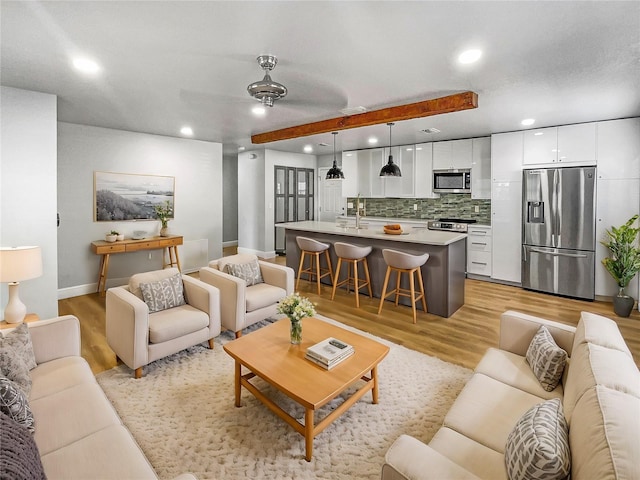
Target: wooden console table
{"type": "Point", "coordinates": [100, 247]}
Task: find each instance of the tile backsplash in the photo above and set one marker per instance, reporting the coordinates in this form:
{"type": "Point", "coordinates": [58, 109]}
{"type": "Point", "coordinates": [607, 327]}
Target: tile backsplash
{"type": "Point", "coordinates": [449, 205]}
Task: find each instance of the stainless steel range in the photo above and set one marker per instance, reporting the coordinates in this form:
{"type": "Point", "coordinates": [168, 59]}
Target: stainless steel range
{"type": "Point", "coordinates": [450, 224]}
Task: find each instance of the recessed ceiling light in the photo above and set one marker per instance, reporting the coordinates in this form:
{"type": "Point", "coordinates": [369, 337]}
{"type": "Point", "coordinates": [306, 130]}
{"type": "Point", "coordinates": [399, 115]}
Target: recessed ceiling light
{"type": "Point", "coordinates": [409, 149]}
{"type": "Point", "coordinates": [470, 56]}
{"type": "Point", "coordinates": [241, 149]}
{"type": "Point", "coordinates": [537, 134]}
{"type": "Point", "coordinates": [259, 110]}
{"type": "Point", "coordinates": [372, 140]}
{"type": "Point", "coordinates": [308, 149]}
{"type": "Point", "coordinates": [418, 148]}
{"type": "Point", "coordinates": [186, 131]}
{"type": "Point", "coordinates": [349, 154]}
{"type": "Point", "coordinates": [353, 110]}
{"type": "Point", "coordinates": [86, 65]}
{"type": "Point", "coordinates": [528, 121]}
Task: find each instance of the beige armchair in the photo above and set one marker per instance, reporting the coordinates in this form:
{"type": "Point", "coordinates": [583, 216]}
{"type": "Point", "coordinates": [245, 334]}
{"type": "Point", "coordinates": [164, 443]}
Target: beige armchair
{"type": "Point", "coordinates": [139, 337]}
{"type": "Point", "coordinates": [244, 305]}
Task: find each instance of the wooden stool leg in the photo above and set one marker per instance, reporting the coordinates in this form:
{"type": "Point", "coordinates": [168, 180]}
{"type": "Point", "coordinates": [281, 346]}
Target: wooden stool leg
{"type": "Point", "coordinates": [421, 283]}
{"type": "Point", "coordinates": [326, 252]}
{"type": "Point", "coordinates": [335, 279]}
{"type": "Point", "coordinates": [398, 278]}
{"type": "Point", "coordinates": [366, 274]}
{"type": "Point", "coordinates": [412, 289]}
{"type": "Point", "coordinates": [384, 289]}
{"type": "Point", "coordinates": [355, 283]}
{"type": "Point", "coordinates": [302, 254]}
{"type": "Point", "coordinates": [317, 255]}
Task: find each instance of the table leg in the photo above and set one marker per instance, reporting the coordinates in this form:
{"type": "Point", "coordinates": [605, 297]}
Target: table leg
{"type": "Point", "coordinates": [237, 383]}
{"type": "Point", "coordinates": [308, 434]}
{"type": "Point", "coordinates": [374, 379]}
{"type": "Point", "coordinates": [175, 252]}
{"type": "Point", "coordinates": [104, 269]}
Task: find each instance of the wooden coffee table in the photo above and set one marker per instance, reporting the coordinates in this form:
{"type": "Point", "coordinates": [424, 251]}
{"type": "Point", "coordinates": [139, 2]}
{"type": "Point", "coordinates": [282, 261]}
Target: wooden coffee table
{"type": "Point", "coordinates": [268, 354]}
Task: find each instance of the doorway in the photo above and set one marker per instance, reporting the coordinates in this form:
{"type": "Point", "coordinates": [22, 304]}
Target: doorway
{"type": "Point", "coordinates": [294, 199]}
{"type": "Point", "coordinates": [330, 203]}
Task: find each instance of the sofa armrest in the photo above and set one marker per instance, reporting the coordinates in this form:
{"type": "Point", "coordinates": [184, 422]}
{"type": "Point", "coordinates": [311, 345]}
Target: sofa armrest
{"type": "Point", "coordinates": [127, 327]}
{"type": "Point", "coordinates": [277, 275]}
{"type": "Point", "coordinates": [517, 329]}
{"type": "Point", "coordinates": [55, 338]}
{"type": "Point", "coordinates": [233, 291]}
{"type": "Point", "coordinates": [409, 458]}
{"type": "Point", "coordinates": [204, 297]}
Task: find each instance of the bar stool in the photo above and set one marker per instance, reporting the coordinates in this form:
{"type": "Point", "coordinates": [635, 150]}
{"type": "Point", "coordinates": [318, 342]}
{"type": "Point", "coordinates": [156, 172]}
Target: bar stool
{"type": "Point", "coordinates": [352, 254]}
{"type": "Point", "coordinates": [313, 248]}
{"type": "Point", "coordinates": [401, 262]}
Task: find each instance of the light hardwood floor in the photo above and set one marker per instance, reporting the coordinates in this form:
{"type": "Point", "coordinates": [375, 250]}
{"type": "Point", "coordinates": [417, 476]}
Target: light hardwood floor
{"type": "Point", "coordinates": [461, 339]}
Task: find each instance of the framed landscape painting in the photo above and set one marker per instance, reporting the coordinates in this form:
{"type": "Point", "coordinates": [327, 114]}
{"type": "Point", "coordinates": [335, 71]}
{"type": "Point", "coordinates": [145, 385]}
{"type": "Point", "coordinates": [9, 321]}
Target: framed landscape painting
{"type": "Point", "coordinates": [125, 196]}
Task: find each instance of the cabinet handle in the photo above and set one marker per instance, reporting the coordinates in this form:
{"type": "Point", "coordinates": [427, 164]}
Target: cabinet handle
{"type": "Point", "coordinates": [479, 263]}
{"type": "Point", "coordinates": [477, 232]}
{"type": "Point", "coordinates": [478, 243]}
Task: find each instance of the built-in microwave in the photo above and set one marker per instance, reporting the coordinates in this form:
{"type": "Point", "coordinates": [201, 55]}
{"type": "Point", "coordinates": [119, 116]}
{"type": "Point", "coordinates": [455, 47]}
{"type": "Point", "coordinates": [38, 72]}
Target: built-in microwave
{"type": "Point", "coordinates": [452, 181]}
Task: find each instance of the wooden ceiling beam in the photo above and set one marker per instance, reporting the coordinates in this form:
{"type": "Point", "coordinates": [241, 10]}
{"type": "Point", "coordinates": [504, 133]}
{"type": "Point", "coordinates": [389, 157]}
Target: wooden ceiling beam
{"type": "Point", "coordinates": [426, 108]}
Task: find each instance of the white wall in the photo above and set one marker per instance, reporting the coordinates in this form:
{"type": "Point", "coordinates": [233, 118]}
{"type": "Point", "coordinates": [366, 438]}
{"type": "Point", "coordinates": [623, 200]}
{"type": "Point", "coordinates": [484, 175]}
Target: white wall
{"type": "Point", "coordinates": [28, 190]}
{"type": "Point", "coordinates": [230, 199]}
{"type": "Point", "coordinates": [196, 166]}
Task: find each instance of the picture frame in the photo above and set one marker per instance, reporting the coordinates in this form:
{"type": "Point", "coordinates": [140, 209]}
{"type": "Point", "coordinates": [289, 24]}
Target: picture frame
{"type": "Point", "coordinates": [121, 197]}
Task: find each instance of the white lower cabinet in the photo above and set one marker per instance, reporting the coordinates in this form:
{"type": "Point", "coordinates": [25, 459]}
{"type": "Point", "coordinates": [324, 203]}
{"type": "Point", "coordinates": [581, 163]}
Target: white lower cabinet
{"type": "Point", "coordinates": [506, 227]}
{"type": "Point", "coordinates": [479, 250]}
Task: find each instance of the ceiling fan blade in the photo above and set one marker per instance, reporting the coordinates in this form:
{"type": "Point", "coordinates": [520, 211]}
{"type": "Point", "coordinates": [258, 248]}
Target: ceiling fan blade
{"type": "Point", "coordinates": [426, 108]}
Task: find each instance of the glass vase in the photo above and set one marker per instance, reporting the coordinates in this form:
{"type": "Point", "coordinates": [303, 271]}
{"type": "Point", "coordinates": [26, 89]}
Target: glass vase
{"type": "Point", "coordinates": [296, 331]}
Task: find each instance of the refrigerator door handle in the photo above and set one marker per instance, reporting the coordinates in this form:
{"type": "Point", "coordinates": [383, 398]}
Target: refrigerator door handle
{"type": "Point", "coordinates": [559, 254]}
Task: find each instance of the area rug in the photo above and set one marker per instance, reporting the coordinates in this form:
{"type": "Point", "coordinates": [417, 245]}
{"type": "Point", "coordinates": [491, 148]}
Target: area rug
{"type": "Point", "coordinates": [182, 415]}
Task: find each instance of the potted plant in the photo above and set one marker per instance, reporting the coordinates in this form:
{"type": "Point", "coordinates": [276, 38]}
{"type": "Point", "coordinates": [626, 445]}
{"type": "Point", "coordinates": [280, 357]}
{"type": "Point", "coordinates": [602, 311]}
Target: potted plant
{"type": "Point", "coordinates": [112, 236]}
{"type": "Point", "coordinates": [164, 212]}
{"type": "Point", "coordinates": [623, 262]}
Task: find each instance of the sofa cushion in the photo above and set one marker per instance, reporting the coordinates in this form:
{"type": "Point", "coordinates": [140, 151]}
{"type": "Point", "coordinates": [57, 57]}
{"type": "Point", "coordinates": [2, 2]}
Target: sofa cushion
{"type": "Point", "coordinates": [595, 365]}
{"type": "Point", "coordinates": [605, 436]}
{"type": "Point", "coordinates": [601, 331]}
{"type": "Point", "coordinates": [478, 459]}
{"type": "Point", "coordinates": [20, 340]}
{"type": "Point", "coordinates": [514, 370]}
{"type": "Point", "coordinates": [14, 404]}
{"type": "Point", "coordinates": [60, 374]}
{"type": "Point", "coordinates": [240, 258]}
{"type": "Point", "coordinates": [263, 295]}
{"type": "Point", "coordinates": [546, 359]}
{"type": "Point", "coordinates": [176, 322]}
{"type": "Point", "coordinates": [538, 446]}
{"type": "Point", "coordinates": [249, 272]}
{"type": "Point", "coordinates": [149, 277]}
{"type": "Point", "coordinates": [19, 455]}
{"type": "Point", "coordinates": [487, 410]}
{"type": "Point", "coordinates": [163, 294]}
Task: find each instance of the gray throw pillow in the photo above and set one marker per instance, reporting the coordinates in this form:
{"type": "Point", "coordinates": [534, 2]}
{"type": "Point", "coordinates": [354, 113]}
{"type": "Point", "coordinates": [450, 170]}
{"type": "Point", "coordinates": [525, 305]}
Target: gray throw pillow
{"type": "Point", "coordinates": [20, 340]}
{"type": "Point", "coordinates": [163, 294]}
{"type": "Point", "coordinates": [14, 404]}
{"type": "Point", "coordinates": [13, 367]}
{"type": "Point", "coordinates": [249, 272]}
{"type": "Point", "coordinates": [538, 445]}
{"type": "Point", "coordinates": [546, 358]}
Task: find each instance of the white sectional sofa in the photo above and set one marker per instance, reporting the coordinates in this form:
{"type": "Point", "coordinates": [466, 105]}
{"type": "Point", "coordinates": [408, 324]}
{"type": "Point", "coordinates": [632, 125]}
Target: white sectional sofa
{"type": "Point", "coordinates": [78, 433]}
{"type": "Point", "coordinates": [600, 393]}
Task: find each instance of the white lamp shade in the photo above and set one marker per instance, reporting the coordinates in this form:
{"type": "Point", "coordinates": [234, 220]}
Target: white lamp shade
{"type": "Point", "coordinates": [20, 263]}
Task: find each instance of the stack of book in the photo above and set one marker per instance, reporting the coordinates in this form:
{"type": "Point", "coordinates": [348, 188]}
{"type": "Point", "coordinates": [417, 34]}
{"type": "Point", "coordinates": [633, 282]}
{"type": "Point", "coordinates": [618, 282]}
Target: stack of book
{"type": "Point", "coordinates": [329, 353]}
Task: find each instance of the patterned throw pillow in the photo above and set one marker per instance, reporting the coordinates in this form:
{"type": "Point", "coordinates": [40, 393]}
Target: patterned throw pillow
{"type": "Point", "coordinates": [538, 446]}
{"type": "Point", "coordinates": [20, 340]}
{"type": "Point", "coordinates": [14, 404]}
{"type": "Point", "coordinates": [546, 358]}
{"type": "Point", "coordinates": [13, 367]}
{"type": "Point", "coordinates": [249, 272]}
{"type": "Point", "coordinates": [163, 294]}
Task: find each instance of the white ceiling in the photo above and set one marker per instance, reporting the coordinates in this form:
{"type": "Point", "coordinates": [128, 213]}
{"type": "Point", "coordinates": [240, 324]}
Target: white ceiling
{"type": "Point", "coordinates": [167, 64]}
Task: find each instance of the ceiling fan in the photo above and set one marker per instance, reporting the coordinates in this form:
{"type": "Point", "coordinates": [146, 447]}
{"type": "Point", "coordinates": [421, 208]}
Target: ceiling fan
{"type": "Point", "coordinates": [267, 90]}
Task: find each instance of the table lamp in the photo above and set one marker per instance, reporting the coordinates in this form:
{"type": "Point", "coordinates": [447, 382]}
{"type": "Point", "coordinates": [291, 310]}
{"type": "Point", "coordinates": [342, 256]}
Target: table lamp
{"type": "Point", "coordinates": [18, 264]}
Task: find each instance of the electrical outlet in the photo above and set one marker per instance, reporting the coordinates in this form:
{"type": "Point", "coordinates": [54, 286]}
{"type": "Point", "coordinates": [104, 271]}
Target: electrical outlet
{"type": "Point", "coordinates": [476, 209]}
{"type": "Point", "coordinates": [149, 255]}
{"type": "Point", "coordinates": [415, 207]}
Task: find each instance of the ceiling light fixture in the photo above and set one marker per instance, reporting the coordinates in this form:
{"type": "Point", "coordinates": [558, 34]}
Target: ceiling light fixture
{"type": "Point", "coordinates": [241, 149]}
{"type": "Point", "coordinates": [86, 65]}
{"type": "Point", "coordinates": [267, 90]}
{"type": "Point", "coordinates": [528, 121]}
{"type": "Point", "coordinates": [390, 169]}
{"type": "Point", "coordinates": [470, 56]}
{"type": "Point", "coordinates": [308, 149]}
{"type": "Point", "coordinates": [259, 110]}
{"type": "Point", "coordinates": [188, 131]}
{"type": "Point", "coordinates": [372, 140]}
{"type": "Point", "coordinates": [334, 172]}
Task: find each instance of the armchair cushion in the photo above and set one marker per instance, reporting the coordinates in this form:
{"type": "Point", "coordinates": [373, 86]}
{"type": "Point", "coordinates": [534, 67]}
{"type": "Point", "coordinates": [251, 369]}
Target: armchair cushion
{"type": "Point", "coordinates": [249, 272]}
{"type": "Point", "coordinates": [263, 295]}
{"type": "Point", "coordinates": [149, 277]}
{"type": "Point", "coordinates": [163, 294]}
{"type": "Point", "coordinates": [176, 322]}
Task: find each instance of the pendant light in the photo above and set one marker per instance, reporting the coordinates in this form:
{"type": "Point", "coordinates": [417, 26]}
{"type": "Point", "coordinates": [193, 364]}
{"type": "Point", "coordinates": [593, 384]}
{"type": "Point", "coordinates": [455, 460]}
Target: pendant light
{"type": "Point", "coordinates": [390, 169]}
{"type": "Point", "coordinates": [334, 172]}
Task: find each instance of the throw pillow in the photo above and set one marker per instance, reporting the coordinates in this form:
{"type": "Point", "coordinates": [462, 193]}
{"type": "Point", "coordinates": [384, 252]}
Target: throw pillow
{"type": "Point", "coordinates": [163, 294]}
{"type": "Point", "coordinates": [19, 455]}
{"type": "Point", "coordinates": [14, 404]}
{"type": "Point", "coordinates": [538, 445]}
{"type": "Point", "coordinates": [546, 358]}
{"type": "Point", "coordinates": [249, 272]}
{"type": "Point", "coordinates": [20, 340]}
{"type": "Point", "coordinates": [14, 368]}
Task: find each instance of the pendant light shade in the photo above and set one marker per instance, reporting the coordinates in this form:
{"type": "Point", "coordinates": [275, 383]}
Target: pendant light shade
{"type": "Point", "coordinates": [334, 172]}
{"type": "Point", "coordinates": [390, 169]}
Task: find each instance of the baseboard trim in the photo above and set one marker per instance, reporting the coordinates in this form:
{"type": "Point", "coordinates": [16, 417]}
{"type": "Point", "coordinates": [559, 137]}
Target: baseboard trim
{"type": "Point", "coordinates": [85, 289]}
{"type": "Point", "coordinates": [230, 243]}
{"type": "Point", "coordinates": [258, 253]}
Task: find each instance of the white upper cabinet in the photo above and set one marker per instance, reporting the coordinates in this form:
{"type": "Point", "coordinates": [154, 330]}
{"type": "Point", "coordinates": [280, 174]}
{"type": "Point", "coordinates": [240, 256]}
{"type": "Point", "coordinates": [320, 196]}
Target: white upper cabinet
{"type": "Point", "coordinates": [350, 171]}
{"type": "Point", "coordinates": [364, 173]}
{"type": "Point", "coordinates": [568, 144]}
{"type": "Point", "coordinates": [481, 168]}
{"type": "Point", "coordinates": [376, 181]}
{"type": "Point", "coordinates": [506, 157]}
{"type": "Point", "coordinates": [619, 149]}
{"type": "Point", "coordinates": [404, 158]}
{"type": "Point", "coordinates": [452, 154]}
{"type": "Point", "coordinates": [424, 171]}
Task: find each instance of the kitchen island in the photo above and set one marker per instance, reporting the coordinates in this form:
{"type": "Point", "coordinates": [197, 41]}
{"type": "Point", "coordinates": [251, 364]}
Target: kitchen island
{"type": "Point", "coordinates": [443, 274]}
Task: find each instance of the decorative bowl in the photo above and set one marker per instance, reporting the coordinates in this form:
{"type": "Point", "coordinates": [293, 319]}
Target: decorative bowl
{"type": "Point", "coordinates": [393, 229]}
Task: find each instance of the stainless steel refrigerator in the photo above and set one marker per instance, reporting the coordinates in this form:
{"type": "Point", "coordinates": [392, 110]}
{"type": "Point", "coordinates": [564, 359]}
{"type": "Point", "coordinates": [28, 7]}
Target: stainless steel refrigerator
{"type": "Point", "coordinates": [558, 232]}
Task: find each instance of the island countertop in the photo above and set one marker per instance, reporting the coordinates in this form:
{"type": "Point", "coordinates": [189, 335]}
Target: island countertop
{"type": "Point", "coordinates": [411, 234]}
